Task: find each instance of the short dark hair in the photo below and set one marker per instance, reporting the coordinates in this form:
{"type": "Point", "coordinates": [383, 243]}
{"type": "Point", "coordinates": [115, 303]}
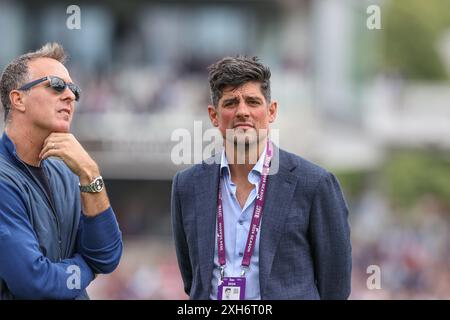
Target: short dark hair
{"type": "Point", "coordinates": [235, 71]}
{"type": "Point", "coordinates": [16, 72]}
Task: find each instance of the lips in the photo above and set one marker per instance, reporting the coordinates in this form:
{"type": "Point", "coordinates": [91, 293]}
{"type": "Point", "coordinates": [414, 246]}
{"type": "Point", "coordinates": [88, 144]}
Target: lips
{"type": "Point", "coordinates": [65, 114]}
{"type": "Point", "coordinates": [243, 126]}
{"type": "Point", "coordinates": [67, 111]}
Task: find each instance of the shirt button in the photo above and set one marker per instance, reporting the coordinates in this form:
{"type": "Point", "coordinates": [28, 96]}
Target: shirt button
{"type": "Point", "coordinates": [240, 254]}
{"type": "Point", "coordinates": [241, 222]}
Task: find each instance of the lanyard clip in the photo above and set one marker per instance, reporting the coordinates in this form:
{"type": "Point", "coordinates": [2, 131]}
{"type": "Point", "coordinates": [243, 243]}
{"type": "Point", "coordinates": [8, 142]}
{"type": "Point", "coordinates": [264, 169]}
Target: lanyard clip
{"type": "Point", "coordinates": [244, 270]}
{"type": "Point", "coordinates": [222, 272]}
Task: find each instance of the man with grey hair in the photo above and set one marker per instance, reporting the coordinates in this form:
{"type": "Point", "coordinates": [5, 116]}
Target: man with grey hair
{"type": "Point", "coordinates": [57, 228]}
{"type": "Point", "coordinates": [261, 221]}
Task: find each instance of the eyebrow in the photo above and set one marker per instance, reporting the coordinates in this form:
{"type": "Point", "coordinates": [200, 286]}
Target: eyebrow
{"type": "Point", "coordinates": [236, 99]}
{"type": "Point", "coordinates": [252, 98]}
{"type": "Point", "coordinates": [233, 100]}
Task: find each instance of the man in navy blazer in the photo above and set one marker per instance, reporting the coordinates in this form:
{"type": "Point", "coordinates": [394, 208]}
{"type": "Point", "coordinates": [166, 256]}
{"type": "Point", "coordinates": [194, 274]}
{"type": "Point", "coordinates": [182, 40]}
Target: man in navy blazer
{"type": "Point", "coordinates": [274, 233]}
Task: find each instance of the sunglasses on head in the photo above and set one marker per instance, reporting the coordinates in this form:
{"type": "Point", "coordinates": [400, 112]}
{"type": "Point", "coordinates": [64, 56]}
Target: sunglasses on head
{"type": "Point", "coordinates": [56, 83]}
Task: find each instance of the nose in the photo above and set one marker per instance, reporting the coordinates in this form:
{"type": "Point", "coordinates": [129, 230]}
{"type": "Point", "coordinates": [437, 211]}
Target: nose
{"type": "Point", "coordinates": [242, 110]}
{"type": "Point", "coordinates": [68, 95]}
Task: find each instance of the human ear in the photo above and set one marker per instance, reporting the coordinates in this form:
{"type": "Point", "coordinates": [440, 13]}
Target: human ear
{"type": "Point", "coordinates": [213, 116]}
{"type": "Point", "coordinates": [17, 100]}
{"type": "Point", "coordinates": [273, 108]}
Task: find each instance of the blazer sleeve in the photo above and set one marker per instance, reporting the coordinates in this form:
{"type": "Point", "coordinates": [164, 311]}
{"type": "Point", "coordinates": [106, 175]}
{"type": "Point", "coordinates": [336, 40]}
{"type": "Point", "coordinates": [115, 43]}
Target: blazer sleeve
{"type": "Point", "coordinates": [181, 245]}
{"type": "Point", "coordinates": [330, 240]}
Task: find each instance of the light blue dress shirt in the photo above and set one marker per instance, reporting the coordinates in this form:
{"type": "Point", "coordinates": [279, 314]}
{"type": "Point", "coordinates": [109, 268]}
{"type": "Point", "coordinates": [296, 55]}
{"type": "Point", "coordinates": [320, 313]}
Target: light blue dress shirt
{"type": "Point", "coordinates": [237, 222]}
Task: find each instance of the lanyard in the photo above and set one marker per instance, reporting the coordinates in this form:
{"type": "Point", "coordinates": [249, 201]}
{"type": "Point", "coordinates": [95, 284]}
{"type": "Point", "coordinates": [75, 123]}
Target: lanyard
{"type": "Point", "coordinates": [256, 219]}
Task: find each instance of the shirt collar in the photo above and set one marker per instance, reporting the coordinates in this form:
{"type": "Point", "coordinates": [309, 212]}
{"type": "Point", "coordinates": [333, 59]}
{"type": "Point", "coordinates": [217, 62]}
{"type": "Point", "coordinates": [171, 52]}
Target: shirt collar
{"type": "Point", "coordinates": [8, 149]}
{"type": "Point", "coordinates": [258, 167]}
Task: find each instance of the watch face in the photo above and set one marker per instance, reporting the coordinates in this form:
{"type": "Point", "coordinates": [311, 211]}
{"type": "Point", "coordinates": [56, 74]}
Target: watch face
{"type": "Point", "coordinates": [98, 184]}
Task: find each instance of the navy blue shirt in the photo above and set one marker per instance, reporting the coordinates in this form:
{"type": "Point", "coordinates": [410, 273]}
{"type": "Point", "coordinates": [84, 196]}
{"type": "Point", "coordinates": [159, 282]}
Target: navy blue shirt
{"type": "Point", "coordinates": [39, 175]}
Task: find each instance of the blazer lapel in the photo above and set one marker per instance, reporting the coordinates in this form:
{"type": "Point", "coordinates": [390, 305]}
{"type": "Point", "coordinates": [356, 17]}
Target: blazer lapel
{"type": "Point", "coordinates": [206, 190]}
{"type": "Point", "coordinates": [280, 190]}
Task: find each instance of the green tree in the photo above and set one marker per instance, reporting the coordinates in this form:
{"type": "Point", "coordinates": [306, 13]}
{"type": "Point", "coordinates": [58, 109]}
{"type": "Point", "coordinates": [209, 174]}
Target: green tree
{"type": "Point", "coordinates": [407, 176]}
{"type": "Point", "coordinates": [411, 30]}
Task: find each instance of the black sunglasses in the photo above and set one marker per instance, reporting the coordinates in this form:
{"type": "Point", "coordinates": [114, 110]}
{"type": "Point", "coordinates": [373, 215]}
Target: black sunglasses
{"type": "Point", "coordinates": [56, 83]}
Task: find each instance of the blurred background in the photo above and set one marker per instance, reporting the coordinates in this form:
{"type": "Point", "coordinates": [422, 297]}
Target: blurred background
{"type": "Point", "coordinates": [370, 105]}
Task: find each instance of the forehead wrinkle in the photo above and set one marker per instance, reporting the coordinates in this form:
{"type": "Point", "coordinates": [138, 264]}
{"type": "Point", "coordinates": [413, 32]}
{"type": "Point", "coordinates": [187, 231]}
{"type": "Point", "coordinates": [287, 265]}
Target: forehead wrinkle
{"type": "Point", "coordinates": [232, 94]}
{"type": "Point", "coordinates": [42, 67]}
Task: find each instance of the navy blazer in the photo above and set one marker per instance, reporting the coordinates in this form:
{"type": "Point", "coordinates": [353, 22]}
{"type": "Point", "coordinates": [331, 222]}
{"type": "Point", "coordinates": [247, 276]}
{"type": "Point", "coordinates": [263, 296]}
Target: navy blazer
{"type": "Point", "coordinates": [305, 249]}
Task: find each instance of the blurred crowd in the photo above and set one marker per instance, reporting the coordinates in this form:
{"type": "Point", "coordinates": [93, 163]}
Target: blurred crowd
{"type": "Point", "coordinates": [144, 90]}
{"type": "Point", "coordinates": [411, 250]}
{"type": "Point", "coordinates": [148, 270]}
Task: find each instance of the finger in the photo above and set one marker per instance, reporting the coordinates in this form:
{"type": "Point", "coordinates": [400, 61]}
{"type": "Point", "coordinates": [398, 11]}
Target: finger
{"type": "Point", "coordinates": [52, 136]}
{"type": "Point", "coordinates": [48, 141]}
{"type": "Point", "coordinates": [51, 145]}
{"type": "Point", "coordinates": [59, 135]}
{"type": "Point", "coordinates": [52, 153]}
{"type": "Point", "coordinates": [47, 146]}
{"type": "Point", "coordinates": [56, 139]}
